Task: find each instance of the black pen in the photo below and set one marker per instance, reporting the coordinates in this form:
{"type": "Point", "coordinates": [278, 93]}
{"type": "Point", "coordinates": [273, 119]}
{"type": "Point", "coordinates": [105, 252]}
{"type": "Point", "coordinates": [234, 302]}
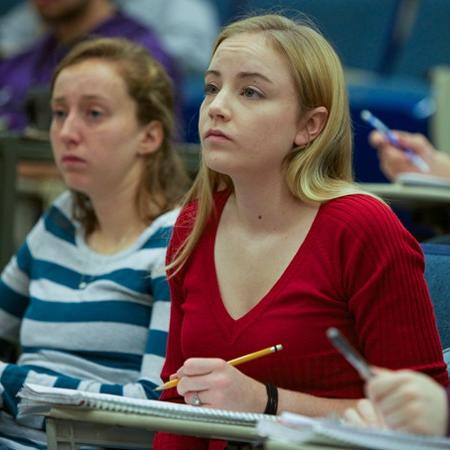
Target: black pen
{"type": "Point", "coordinates": [349, 353]}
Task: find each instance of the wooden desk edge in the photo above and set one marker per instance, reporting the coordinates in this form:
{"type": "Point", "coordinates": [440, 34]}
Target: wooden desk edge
{"type": "Point", "coordinates": [211, 430]}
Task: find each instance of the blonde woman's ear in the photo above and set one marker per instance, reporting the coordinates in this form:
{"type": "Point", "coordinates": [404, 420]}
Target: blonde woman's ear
{"type": "Point", "coordinates": [311, 125]}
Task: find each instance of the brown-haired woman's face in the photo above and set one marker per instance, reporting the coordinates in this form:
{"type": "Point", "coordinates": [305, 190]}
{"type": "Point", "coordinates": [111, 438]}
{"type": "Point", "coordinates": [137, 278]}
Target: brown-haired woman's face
{"type": "Point", "coordinates": [95, 135]}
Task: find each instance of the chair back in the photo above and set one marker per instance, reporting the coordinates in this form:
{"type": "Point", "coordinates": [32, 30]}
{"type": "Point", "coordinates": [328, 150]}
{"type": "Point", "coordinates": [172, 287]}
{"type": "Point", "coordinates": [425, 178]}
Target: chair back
{"type": "Point", "coordinates": [437, 274]}
{"type": "Point", "coordinates": [428, 42]}
{"type": "Point", "coordinates": [360, 30]}
{"type": "Point", "coordinates": [7, 201]}
{"type": "Point", "coordinates": [6, 5]}
{"type": "Point", "coordinates": [226, 10]}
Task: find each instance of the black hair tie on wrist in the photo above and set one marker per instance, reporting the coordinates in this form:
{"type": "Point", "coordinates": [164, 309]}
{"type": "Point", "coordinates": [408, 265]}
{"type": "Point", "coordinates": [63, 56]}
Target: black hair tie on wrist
{"type": "Point", "coordinates": [272, 399]}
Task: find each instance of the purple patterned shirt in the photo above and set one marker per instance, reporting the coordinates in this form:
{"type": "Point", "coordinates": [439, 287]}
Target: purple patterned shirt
{"type": "Point", "coordinates": [34, 67]}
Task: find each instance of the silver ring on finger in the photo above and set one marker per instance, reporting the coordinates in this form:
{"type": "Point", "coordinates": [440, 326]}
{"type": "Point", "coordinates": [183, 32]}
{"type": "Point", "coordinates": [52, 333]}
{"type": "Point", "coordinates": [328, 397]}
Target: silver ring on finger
{"type": "Point", "coordinates": [195, 401]}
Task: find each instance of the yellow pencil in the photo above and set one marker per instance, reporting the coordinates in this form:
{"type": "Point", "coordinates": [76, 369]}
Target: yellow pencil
{"type": "Point", "coordinates": [232, 362]}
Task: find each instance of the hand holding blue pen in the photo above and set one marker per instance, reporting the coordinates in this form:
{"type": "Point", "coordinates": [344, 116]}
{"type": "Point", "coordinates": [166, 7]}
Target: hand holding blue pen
{"type": "Point", "coordinates": [376, 123]}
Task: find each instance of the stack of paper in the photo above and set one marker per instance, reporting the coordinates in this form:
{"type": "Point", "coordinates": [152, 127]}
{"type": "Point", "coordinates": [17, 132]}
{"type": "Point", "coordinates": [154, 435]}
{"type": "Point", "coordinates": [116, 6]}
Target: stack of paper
{"type": "Point", "coordinates": [298, 429]}
{"type": "Point", "coordinates": [420, 179]}
{"type": "Point", "coordinates": [36, 399]}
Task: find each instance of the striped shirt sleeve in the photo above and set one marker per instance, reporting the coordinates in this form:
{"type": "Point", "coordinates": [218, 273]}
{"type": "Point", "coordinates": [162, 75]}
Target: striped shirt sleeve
{"type": "Point", "coordinates": [109, 337]}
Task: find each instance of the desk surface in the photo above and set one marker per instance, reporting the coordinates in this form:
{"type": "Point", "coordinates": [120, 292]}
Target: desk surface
{"type": "Point", "coordinates": [279, 445]}
{"type": "Point", "coordinates": [412, 195]}
{"type": "Point", "coordinates": [82, 430]}
{"type": "Point", "coordinates": [72, 425]}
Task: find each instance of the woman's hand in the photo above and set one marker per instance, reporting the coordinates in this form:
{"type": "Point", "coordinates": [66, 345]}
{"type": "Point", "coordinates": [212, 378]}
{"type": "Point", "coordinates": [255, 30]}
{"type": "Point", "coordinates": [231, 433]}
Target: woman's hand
{"type": "Point", "coordinates": [220, 385]}
{"type": "Point", "coordinates": [364, 415]}
{"type": "Point", "coordinates": [394, 161]}
{"type": "Point", "coordinates": [405, 401]}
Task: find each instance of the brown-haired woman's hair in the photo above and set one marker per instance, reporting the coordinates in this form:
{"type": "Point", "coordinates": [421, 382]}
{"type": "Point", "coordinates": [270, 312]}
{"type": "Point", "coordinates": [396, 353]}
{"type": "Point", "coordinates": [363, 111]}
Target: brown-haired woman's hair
{"type": "Point", "coordinates": [318, 172]}
{"type": "Point", "coordinates": [164, 180]}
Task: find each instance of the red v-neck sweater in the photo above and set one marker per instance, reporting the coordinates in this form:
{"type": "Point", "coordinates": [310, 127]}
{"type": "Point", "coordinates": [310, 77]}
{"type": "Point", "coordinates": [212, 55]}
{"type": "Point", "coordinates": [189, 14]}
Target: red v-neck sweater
{"type": "Point", "coordinates": [358, 270]}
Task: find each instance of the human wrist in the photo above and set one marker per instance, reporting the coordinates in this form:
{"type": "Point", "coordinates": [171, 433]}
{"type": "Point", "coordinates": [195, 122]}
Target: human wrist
{"type": "Point", "coordinates": [447, 410]}
{"type": "Point", "coordinates": [440, 164]}
{"type": "Point", "coordinates": [444, 428]}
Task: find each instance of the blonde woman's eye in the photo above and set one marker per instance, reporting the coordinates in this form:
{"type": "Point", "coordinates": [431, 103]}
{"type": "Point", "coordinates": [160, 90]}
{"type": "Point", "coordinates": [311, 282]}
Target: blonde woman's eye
{"type": "Point", "coordinates": [251, 93]}
{"type": "Point", "coordinates": [210, 89]}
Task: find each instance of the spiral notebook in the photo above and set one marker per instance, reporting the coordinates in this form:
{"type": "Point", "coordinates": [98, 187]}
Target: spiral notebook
{"type": "Point", "coordinates": [297, 429]}
{"type": "Point", "coordinates": [36, 399]}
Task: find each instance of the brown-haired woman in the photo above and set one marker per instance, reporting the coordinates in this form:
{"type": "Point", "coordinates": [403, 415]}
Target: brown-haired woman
{"type": "Point", "coordinates": [86, 295]}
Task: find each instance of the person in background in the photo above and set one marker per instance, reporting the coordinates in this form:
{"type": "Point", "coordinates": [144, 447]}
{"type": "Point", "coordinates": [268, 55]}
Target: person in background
{"type": "Point", "coordinates": [68, 22]}
{"type": "Point", "coordinates": [275, 243]}
{"type": "Point", "coordinates": [394, 161]}
{"type": "Point", "coordinates": [404, 401]}
{"type": "Point", "coordinates": [186, 28]}
{"type": "Point", "coordinates": [86, 296]}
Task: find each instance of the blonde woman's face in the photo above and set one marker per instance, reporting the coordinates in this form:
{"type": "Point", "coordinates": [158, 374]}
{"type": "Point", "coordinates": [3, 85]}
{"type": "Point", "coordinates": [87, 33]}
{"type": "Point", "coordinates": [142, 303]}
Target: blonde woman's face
{"type": "Point", "coordinates": [249, 118]}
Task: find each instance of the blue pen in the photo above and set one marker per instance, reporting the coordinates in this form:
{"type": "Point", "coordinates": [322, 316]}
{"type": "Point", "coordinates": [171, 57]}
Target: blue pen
{"type": "Point", "coordinates": [376, 123]}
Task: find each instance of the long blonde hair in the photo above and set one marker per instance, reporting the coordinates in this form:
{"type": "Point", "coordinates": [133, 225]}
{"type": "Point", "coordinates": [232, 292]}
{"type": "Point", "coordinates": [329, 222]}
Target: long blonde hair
{"type": "Point", "coordinates": [323, 170]}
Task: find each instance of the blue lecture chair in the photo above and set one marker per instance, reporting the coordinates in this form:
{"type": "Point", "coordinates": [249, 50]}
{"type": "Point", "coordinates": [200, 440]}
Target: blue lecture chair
{"type": "Point", "coordinates": [226, 10]}
{"type": "Point", "coordinates": [437, 274]}
{"type": "Point", "coordinates": [193, 85]}
{"type": "Point", "coordinates": [428, 42]}
{"type": "Point", "coordinates": [403, 97]}
{"type": "Point", "coordinates": [360, 30]}
{"type": "Point", "coordinates": [6, 5]}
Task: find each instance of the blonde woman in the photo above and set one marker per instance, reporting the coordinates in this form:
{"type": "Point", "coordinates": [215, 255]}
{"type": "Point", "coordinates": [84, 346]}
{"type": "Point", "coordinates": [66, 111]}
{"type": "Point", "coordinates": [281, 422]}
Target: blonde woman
{"type": "Point", "coordinates": [275, 244]}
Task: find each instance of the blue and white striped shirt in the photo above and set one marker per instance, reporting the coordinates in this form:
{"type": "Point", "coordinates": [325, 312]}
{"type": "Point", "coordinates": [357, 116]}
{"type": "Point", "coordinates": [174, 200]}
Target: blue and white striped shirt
{"type": "Point", "coordinates": [85, 320]}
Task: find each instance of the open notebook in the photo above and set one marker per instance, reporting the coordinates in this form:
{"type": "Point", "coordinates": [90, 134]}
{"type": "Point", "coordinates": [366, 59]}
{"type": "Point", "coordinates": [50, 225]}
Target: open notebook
{"type": "Point", "coordinates": [421, 179]}
{"type": "Point", "coordinates": [297, 429]}
{"type": "Point", "coordinates": [37, 399]}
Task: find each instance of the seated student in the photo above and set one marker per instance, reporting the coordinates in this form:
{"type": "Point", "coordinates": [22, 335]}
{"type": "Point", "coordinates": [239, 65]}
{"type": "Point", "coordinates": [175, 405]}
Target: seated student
{"type": "Point", "coordinates": [276, 244]}
{"type": "Point", "coordinates": [186, 28]}
{"type": "Point", "coordinates": [394, 161]}
{"type": "Point", "coordinates": [68, 22]}
{"type": "Point", "coordinates": [404, 401]}
{"type": "Point", "coordinates": [86, 295]}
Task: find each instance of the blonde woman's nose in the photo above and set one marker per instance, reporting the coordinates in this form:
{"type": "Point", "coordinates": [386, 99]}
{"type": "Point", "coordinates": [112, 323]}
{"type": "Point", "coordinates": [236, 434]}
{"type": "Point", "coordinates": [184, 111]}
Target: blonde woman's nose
{"type": "Point", "coordinates": [220, 106]}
